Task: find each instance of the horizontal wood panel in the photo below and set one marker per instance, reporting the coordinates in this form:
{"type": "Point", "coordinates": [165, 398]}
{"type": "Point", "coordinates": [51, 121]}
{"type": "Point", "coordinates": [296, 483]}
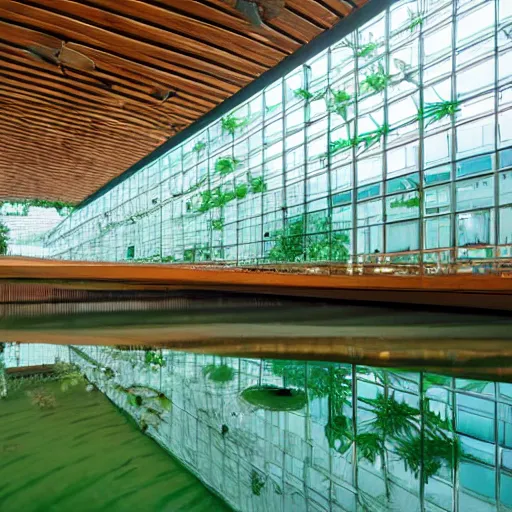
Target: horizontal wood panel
{"type": "Point", "coordinates": [66, 132]}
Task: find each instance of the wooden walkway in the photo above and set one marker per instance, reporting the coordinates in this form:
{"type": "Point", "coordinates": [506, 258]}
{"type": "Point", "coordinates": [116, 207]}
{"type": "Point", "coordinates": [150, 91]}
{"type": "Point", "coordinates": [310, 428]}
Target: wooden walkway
{"type": "Point", "coordinates": [459, 290]}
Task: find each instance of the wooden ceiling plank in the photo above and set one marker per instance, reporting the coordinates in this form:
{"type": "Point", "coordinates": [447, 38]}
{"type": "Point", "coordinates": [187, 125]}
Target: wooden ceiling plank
{"type": "Point", "coordinates": [39, 86]}
{"type": "Point", "coordinates": [69, 120]}
{"type": "Point", "coordinates": [119, 92]}
{"type": "Point", "coordinates": [303, 30]}
{"type": "Point", "coordinates": [206, 9]}
{"type": "Point", "coordinates": [313, 11]}
{"type": "Point", "coordinates": [119, 117]}
{"type": "Point", "coordinates": [75, 30]}
{"type": "Point", "coordinates": [25, 37]}
{"type": "Point", "coordinates": [186, 88]}
{"type": "Point", "coordinates": [26, 131]}
{"type": "Point", "coordinates": [340, 7]}
{"type": "Point", "coordinates": [206, 32]}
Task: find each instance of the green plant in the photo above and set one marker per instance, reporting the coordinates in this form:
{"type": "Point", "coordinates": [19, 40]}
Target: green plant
{"type": "Point", "coordinates": [154, 358]}
{"type": "Point", "coordinates": [226, 165]}
{"type": "Point", "coordinates": [364, 50]}
{"type": "Point", "coordinates": [415, 20]}
{"type": "Point", "coordinates": [334, 249]}
{"type": "Point", "coordinates": [368, 139]}
{"type": "Point", "coordinates": [438, 110]}
{"type": "Point", "coordinates": [273, 398]}
{"type": "Point", "coordinates": [199, 147]}
{"type": "Point", "coordinates": [413, 202]}
{"type": "Point", "coordinates": [376, 81]}
{"type": "Point", "coordinates": [241, 190]}
{"type": "Point", "coordinates": [303, 94]}
{"type": "Point", "coordinates": [4, 238]}
{"type": "Point", "coordinates": [257, 184]}
{"type": "Point", "coordinates": [372, 137]}
{"type": "Point", "coordinates": [231, 124]}
{"type": "Point", "coordinates": [289, 244]}
{"type": "Point", "coordinates": [336, 146]}
{"type": "Point", "coordinates": [367, 50]}
{"type": "Point", "coordinates": [189, 255]}
{"type": "Point", "coordinates": [218, 224]}
{"type": "Point", "coordinates": [257, 483]}
{"type": "Point", "coordinates": [219, 373]}
{"type": "Point", "coordinates": [338, 102]}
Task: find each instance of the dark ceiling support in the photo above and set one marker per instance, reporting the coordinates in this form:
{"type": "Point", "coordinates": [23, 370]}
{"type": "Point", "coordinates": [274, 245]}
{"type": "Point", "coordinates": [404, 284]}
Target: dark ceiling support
{"type": "Point", "coordinates": [328, 38]}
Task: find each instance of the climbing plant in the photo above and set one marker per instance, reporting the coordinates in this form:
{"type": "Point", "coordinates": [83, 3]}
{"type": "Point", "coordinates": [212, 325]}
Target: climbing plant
{"type": "Point", "coordinates": [226, 165]}
{"type": "Point", "coordinates": [433, 112]}
{"type": "Point", "coordinates": [376, 81]}
{"type": "Point", "coordinates": [4, 238]}
{"type": "Point", "coordinates": [231, 124]}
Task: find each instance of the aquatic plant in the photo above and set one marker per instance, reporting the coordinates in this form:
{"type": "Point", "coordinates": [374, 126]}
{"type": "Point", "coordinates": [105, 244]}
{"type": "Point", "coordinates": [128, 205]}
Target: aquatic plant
{"type": "Point", "coordinates": [219, 373]}
{"type": "Point", "coordinates": [43, 398]}
{"type": "Point", "coordinates": [274, 398]}
{"type": "Point", "coordinates": [226, 165]}
{"type": "Point", "coordinates": [376, 81]}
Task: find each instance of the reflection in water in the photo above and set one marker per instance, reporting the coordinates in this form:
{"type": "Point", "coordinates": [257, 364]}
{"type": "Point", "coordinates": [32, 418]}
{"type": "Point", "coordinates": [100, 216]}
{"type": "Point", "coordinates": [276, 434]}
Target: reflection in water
{"type": "Point", "coordinates": [289, 435]}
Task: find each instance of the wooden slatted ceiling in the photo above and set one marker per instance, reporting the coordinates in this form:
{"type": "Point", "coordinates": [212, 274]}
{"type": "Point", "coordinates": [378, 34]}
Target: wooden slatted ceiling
{"type": "Point", "coordinates": [65, 132]}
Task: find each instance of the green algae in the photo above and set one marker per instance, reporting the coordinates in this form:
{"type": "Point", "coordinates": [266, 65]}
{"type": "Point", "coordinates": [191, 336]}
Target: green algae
{"type": "Point", "coordinates": [85, 455]}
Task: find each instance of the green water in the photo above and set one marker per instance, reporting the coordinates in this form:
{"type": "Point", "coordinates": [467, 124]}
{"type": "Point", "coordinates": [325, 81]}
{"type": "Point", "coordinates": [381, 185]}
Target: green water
{"type": "Point", "coordinates": [84, 455]}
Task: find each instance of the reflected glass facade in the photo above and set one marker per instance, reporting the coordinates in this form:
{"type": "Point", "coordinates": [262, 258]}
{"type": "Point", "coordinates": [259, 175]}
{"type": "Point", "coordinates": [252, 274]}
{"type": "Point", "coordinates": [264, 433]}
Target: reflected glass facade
{"type": "Point", "coordinates": [346, 438]}
{"type": "Point", "coordinates": [396, 139]}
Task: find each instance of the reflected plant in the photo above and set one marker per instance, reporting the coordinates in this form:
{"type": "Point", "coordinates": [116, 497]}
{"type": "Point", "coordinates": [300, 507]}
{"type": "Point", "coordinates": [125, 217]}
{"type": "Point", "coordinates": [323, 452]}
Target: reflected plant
{"type": "Point", "coordinates": [433, 112]}
{"type": "Point", "coordinates": [413, 202]}
{"type": "Point", "coordinates": [376, 81]}
{"type": "Point", "coordinates": [257, 483]}
{"type": "Point", "coordinates": [154, 358]}
{"type": "Point", "coordinates": [68, 374]}
{"type": "Point", "coordinates": [219, 373]}
{"type": "Point", "coordinates": [43, 398]}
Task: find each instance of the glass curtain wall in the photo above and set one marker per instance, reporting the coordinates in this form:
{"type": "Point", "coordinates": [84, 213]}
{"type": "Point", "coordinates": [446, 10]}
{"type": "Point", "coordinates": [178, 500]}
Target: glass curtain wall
{"type": "Point", "coordinates": [397, 139]}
